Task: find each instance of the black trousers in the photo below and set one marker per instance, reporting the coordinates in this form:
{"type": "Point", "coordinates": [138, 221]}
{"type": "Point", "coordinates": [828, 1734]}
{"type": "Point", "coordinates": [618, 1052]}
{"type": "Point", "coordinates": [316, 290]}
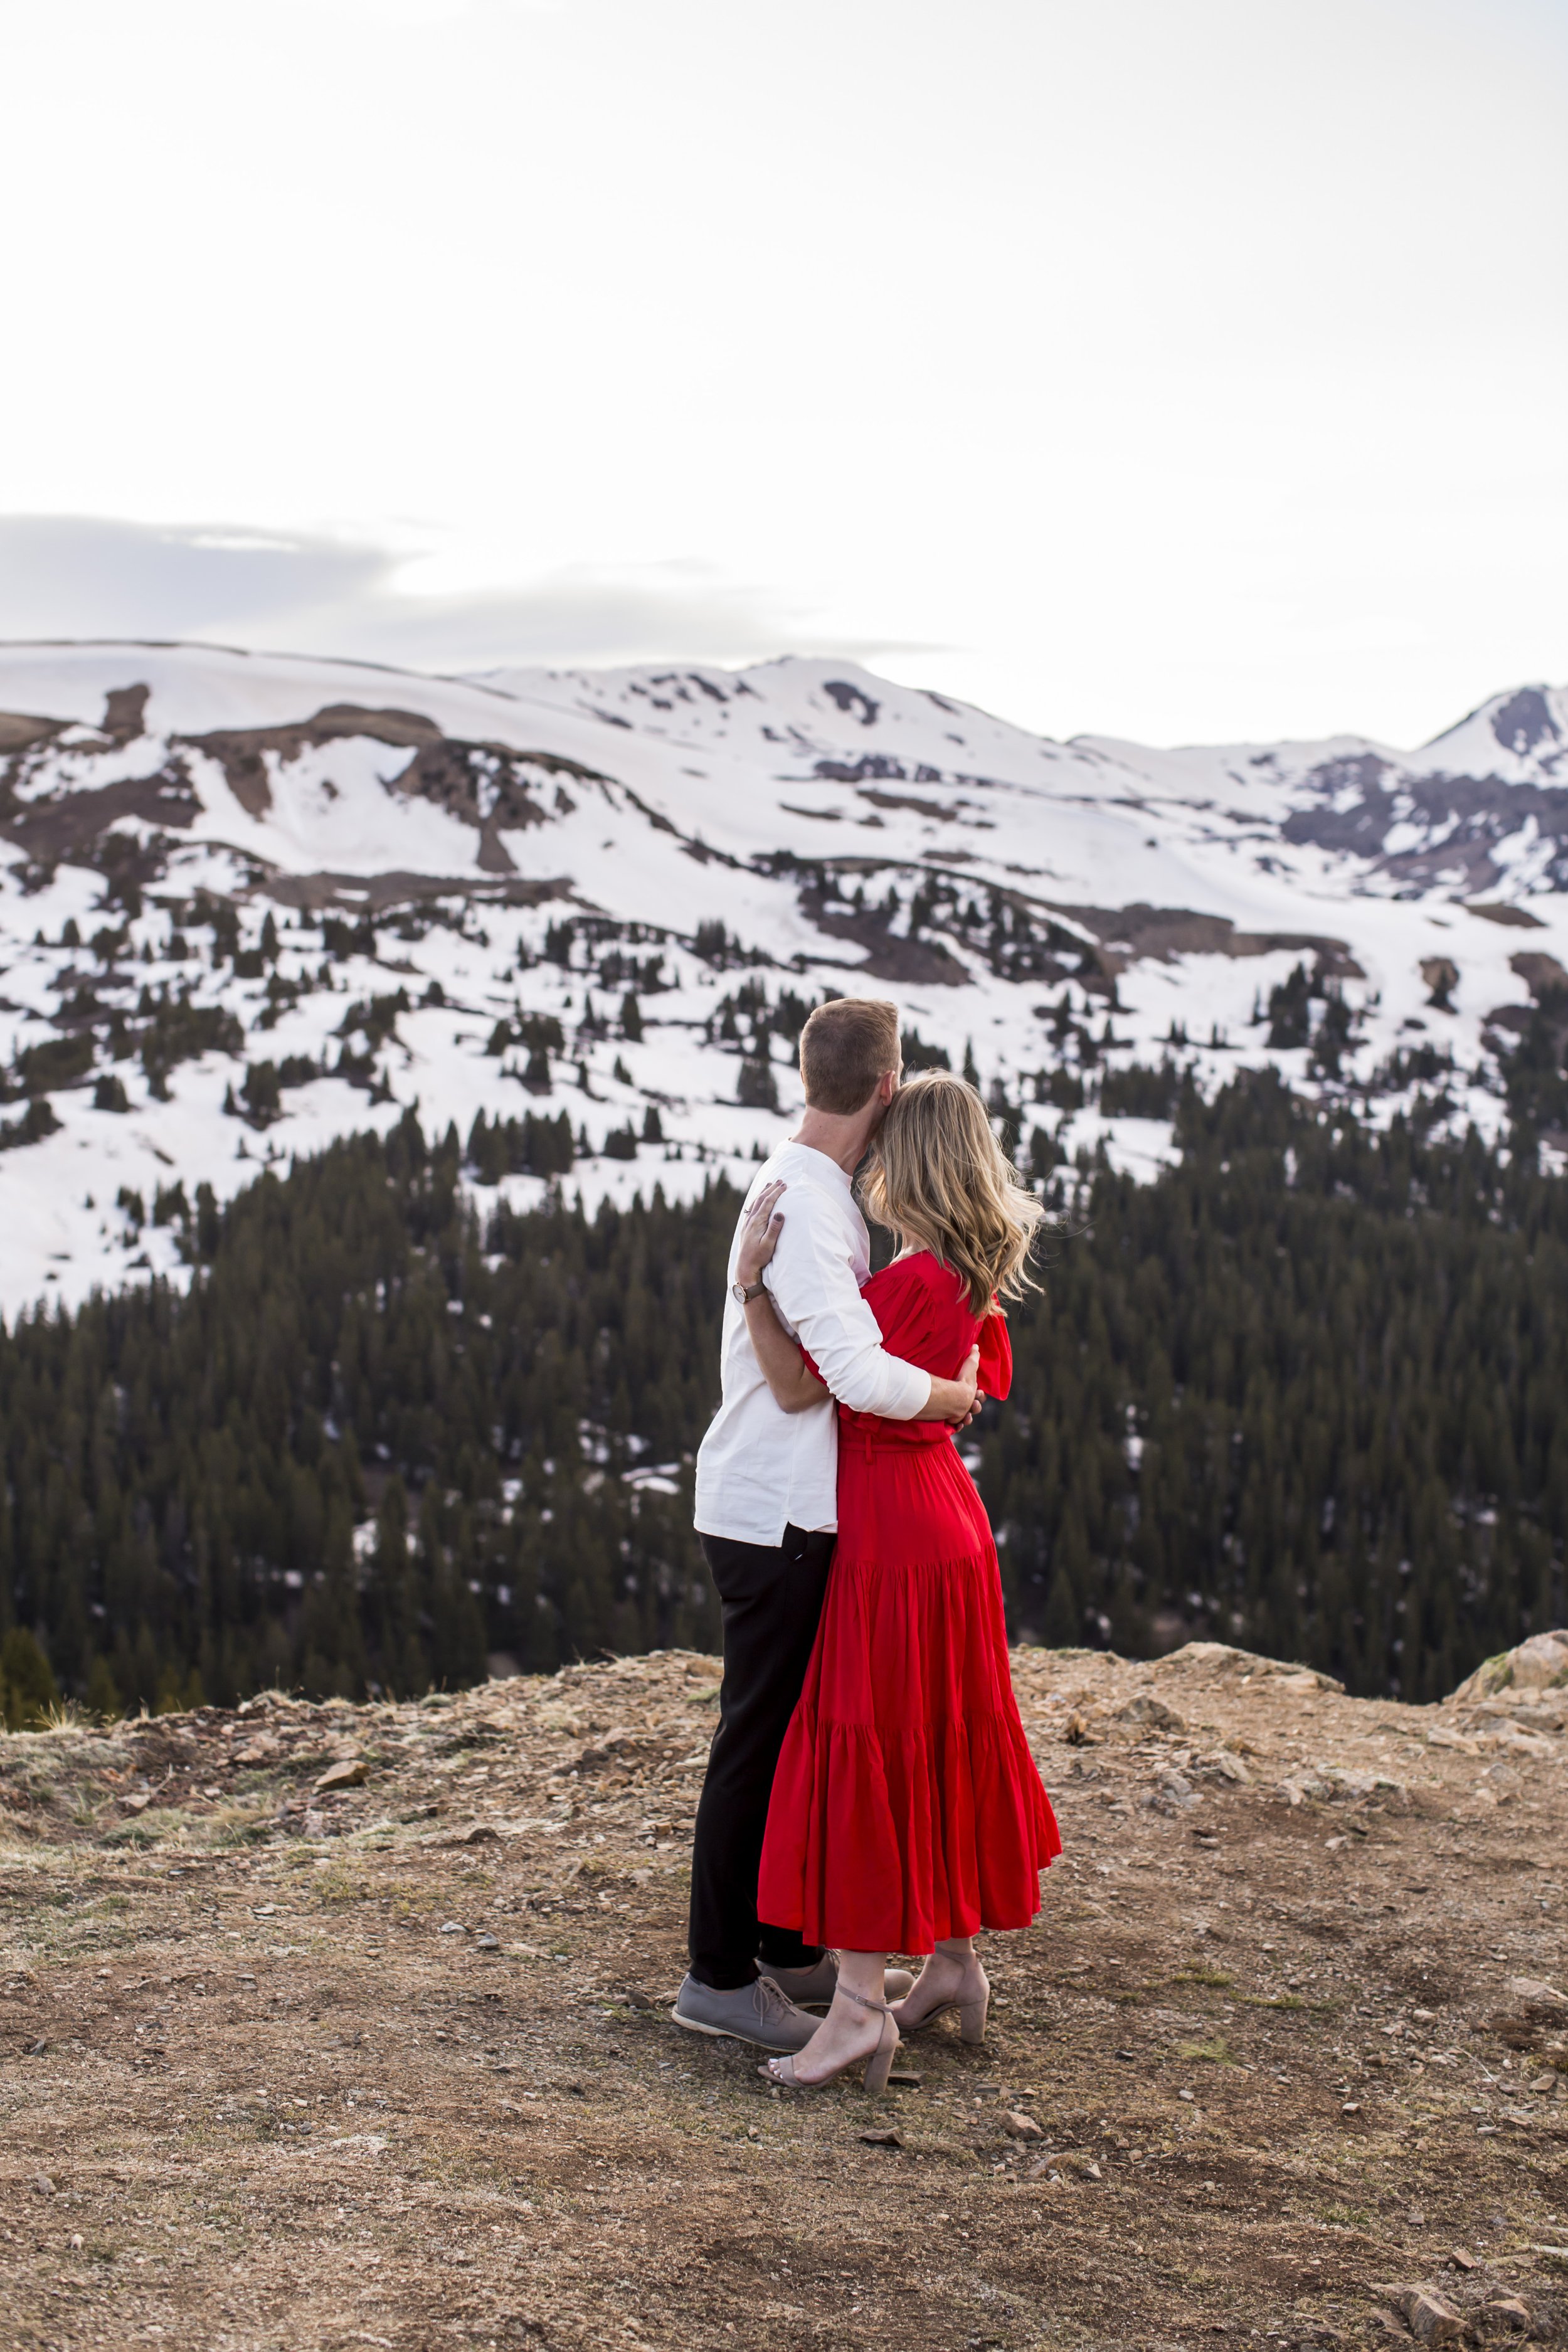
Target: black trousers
{"type": "Point", "coordinates": [772, 1597]}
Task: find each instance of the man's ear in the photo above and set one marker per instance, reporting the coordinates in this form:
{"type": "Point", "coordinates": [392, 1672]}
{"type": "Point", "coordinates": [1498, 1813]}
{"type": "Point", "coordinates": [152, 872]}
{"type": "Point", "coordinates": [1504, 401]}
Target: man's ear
{"type": "Point", "coordinates": [887, 1086]}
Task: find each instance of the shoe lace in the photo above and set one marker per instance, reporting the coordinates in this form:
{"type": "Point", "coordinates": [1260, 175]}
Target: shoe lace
{"type": "Point", "coordinates": [772, 2001]}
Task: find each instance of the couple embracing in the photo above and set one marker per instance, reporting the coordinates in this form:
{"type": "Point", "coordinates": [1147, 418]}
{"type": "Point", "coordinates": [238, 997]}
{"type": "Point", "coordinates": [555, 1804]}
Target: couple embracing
{"type": "Point", "coordinates": [870, 1788]}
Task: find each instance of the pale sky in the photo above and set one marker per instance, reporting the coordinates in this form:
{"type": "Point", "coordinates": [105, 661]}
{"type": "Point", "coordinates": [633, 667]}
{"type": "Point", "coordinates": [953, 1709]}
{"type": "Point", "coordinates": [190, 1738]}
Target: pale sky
{"type": "Point", "coordinates": [1187, 369]}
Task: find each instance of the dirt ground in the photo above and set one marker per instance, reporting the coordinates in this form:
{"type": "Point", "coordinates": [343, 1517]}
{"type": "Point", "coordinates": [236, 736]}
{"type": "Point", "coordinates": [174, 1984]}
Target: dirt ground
{"type": "Point", "coordinates": [391, 2065]}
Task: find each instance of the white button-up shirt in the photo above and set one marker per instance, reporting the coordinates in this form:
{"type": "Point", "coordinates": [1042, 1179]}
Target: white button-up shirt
{"type": "Point", "coordinates": [760, 1470]}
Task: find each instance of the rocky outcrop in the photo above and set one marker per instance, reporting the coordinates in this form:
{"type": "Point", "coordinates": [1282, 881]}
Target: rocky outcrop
{"type": "Point", "coordinates": [1530, 1671]}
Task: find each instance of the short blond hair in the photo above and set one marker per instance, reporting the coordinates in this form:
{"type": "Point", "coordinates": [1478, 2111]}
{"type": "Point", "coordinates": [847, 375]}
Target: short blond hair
{"type": "Point", "coordinates": [845, 1048]}
{"type": "Point", "coordinates": [940, 1181]}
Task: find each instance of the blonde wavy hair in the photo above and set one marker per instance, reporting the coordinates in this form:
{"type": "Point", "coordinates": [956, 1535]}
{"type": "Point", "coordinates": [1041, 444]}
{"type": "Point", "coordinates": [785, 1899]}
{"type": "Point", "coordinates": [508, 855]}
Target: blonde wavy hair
{"type": "Point", "coordinates": [940, 1181]}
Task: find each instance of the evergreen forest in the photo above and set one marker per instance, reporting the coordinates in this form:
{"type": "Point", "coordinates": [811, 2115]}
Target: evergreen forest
{"type": "Point", "coordinates": [1305, 1394]}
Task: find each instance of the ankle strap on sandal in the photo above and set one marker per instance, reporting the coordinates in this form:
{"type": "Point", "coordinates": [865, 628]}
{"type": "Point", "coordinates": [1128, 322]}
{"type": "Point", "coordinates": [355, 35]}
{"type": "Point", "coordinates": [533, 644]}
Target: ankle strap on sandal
{"type": "Point", "coordinates": [864, 2000]}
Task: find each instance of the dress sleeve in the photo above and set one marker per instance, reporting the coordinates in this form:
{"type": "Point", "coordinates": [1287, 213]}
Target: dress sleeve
{"type": "Point", "coordinates": [996, 1354]}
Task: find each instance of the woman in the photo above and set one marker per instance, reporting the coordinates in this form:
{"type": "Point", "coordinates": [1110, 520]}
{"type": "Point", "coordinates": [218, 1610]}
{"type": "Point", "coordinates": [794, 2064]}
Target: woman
{"type": "Point", "coordinates": [907, 1811]}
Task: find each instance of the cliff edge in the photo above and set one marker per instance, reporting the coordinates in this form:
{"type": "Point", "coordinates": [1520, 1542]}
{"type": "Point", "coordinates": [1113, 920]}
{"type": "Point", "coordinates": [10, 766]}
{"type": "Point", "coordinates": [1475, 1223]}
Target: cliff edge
{"type": "Point", "coordinates": [328, 2026]}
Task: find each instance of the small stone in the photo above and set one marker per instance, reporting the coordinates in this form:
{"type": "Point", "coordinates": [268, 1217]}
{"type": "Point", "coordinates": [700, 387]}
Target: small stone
{"type": "Point", "coordinates": [1462, 2261]}
{"type": "Point", "coordinates": [640, 2000]}
{"type": "Point", "coordinates": [136, 1804]}
{"type": "Point", "coordinates": [477, 1833]}
{"type": "Point", "coordinates": [906, 2078]}
{"type": "Point", "coordinates": [451, 1928]}
{"type": "Point", "coordinates": [348, 1772]}
{"type": "Point", "coordinates": [1351, 2107]}
{"type": "Point", "coordinates": [1185, 2094]}
{"type": "Point", "coordinates": [36, 2048]}
{"type": "Point", "coordinates": [1506, 2309]}
{"type": "Point", "coordinates": [1019, 2126]}
{"type": "Point", "coordinates": [881, 2139]}
{"type": "Point", "coordinates": [1151, 1711]}
{"type": "Point", "coordinates": [42, 2185]}
{"type": "Point", "coordinates": [1431, 2320]}
{"type": "Point", "coordinates": [487, 1942]}
{"type": "Point", "coordinates": [1130, 2057]}
{"type": "Point", "coordinates": [1538, 1995]}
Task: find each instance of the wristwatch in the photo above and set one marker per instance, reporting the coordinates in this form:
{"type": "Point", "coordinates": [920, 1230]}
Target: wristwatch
{"type": "Point", "coordinates": [742, 1295]}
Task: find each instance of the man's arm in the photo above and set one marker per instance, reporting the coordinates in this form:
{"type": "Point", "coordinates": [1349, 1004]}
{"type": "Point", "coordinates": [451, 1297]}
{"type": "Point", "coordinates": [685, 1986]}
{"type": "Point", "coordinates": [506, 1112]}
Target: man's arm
{"type": "Point", "coordinates": [813, 1283]}
{"type": "Point", "coordinates": [795, 1389]}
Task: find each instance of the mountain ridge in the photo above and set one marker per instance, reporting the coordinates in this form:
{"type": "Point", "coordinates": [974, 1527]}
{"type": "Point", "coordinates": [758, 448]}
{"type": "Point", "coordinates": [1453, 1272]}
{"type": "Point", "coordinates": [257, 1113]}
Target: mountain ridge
{"type": "Point", "coordinates": [716, 847]}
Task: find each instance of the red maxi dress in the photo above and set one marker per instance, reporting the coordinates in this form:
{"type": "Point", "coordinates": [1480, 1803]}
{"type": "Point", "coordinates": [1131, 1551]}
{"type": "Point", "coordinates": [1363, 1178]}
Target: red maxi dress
{"type": "Point", "coordinates": [906, 1806]}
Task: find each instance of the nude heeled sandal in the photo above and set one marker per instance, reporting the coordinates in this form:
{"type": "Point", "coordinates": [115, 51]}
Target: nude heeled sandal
{"type": "Point", "coordinates": [972, 2012]}
{"type": "Point", "coordinates": [878, 2065]}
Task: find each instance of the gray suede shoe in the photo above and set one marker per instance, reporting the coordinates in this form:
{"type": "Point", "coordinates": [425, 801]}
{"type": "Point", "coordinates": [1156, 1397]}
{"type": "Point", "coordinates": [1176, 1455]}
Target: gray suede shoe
{"type": "Point", "coordinates": [814, 1988]}
{"type": "Point", "coordinates": [756, 2012]}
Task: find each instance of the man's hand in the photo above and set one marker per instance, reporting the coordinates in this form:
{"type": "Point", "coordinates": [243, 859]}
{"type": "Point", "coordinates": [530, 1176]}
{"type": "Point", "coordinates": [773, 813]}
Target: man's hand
{"type": "Point", "coordinates": [957, 1400]}
{"type": "Point", "coordinates": [760, 1234]}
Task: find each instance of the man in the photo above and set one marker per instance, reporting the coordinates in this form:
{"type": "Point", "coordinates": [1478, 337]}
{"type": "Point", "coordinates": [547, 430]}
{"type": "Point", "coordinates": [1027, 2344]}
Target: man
{"type": "Point", "coordinates": [767, 1515]}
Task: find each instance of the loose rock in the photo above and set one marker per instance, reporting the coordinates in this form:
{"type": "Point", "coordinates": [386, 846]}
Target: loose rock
{"type": "Point", "coordinates": [1017, 2127]}
{"type": "Point", "coordinates": [1430, 2318]}
{"type": "Point", "coordinates": [1151, 1711]}
{"type": "Point", "coordinates": [259, 1748]}
{"type": "Point", "coordinates": [348, 1772]}
{"type": "Point", "coordinates": [1536, 1994]}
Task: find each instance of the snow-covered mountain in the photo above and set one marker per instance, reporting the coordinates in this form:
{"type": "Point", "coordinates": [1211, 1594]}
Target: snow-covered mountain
{"type": "Point", "coordinates": [249, 902]}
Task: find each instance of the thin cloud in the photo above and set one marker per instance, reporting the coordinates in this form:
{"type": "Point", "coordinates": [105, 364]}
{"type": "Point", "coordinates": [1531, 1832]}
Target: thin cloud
{"type": "Point", "coordinates": [91, 576]}
{"type": "Point", "coordinates": [87, 576]}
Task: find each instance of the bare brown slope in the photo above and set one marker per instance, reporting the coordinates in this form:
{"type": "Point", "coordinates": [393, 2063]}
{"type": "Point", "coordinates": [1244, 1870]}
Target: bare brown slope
{"type": "Point", "coordinates": [390, 2065]}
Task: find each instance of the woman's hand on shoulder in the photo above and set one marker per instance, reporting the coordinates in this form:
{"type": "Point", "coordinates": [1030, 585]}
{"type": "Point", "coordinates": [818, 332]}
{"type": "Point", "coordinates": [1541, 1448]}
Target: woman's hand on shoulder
{"type": "Point", "coordinates": [760, 1233]}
